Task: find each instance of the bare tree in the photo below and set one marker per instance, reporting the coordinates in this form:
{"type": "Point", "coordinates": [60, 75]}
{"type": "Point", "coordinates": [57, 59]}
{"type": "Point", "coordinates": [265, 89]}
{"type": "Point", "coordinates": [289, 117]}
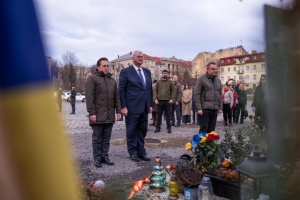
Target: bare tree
{"type": "Point", "coordinates": [69, 71]}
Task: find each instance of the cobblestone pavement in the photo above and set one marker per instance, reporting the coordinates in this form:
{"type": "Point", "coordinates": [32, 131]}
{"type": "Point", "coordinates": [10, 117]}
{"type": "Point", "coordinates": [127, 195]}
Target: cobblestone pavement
{"type": "Point", "coordinates": [170, 146]}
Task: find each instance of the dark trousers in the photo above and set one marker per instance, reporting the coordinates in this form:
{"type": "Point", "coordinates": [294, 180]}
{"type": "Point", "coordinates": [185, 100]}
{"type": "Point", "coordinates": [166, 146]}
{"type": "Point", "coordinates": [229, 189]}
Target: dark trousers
{"type": "Point", "coordinates": [177, 109]}
{"type": "Point", "coordinates": [100, 139]}
{"type": "Point", "coordinates": [240, 109]}
{"type": "Point", "coordinates": [208, 120]}
{"type": "Point", "coordinates": [227, 113]}
{"type": "Point", "coordinates": [195, 116]}
{"type": "Point", "coordinates": [163, 106]}
{"type": "Point", "coordinates": [233, 113]}
{"type": "Point", "coordinates": [73, 107]}
{"type": "Point", "coordinates": [136, 131]}
{"type": "Point", "coordinates": [186, 119]}
{"type": "Point", "coordinates": [154, 116]}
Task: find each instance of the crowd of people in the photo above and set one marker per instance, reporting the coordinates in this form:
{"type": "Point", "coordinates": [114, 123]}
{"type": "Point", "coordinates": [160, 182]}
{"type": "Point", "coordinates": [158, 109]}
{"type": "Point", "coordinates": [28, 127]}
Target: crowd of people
{"type": "Point", "coordinates": [136, 95]}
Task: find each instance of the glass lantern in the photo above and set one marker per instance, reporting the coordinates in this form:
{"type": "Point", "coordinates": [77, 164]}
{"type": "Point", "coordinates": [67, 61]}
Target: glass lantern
{"type": "Point", "coordinates": [257, 177]}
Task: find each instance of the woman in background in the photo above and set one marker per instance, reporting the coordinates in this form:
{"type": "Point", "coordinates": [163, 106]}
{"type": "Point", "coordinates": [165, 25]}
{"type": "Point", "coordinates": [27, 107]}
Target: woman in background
{"type": "Point", "coordinates": [241, 105]}
{"type": "Point", "coordinates": [186, 104]}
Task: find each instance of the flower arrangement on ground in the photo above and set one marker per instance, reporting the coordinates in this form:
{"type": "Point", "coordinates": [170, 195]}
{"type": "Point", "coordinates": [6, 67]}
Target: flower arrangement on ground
{"type": "Point", "coordinates": [205, 150]}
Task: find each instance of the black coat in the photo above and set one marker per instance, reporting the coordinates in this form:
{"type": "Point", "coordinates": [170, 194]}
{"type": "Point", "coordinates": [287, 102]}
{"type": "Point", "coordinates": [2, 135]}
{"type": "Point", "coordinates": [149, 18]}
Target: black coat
{"type": "Point", "coordinates": [258, 101]}
{"type": "Point", "coordinates": [242, 97]}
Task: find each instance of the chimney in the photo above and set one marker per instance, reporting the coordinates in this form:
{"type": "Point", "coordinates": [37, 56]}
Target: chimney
{"type": "Point", "coordinates": [130, 52]}
{"type": "Point", "coordinates": [253, 51]}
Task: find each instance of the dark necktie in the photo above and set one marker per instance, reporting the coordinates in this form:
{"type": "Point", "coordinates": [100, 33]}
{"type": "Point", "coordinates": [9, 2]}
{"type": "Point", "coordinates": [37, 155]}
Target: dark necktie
{"type": "Point", "coordinates": [141, 77]}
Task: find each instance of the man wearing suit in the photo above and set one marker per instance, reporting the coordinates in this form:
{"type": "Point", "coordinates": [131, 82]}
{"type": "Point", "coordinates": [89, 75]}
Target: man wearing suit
{"type": "Point", "coordinates": [136, 96]}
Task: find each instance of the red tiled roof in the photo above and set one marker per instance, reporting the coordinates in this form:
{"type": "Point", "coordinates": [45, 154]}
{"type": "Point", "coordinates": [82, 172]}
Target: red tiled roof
{"type": "Point", "coordinates": [230, 60]}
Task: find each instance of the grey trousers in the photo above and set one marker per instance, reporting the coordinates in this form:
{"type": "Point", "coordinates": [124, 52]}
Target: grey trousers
{"type": "Point", "coordinates": [101, 140]}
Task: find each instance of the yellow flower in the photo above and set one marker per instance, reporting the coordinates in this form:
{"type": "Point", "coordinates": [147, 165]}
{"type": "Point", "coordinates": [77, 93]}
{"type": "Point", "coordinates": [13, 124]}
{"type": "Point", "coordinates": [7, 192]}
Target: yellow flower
{"type": "Point", "coordinates": [215, 133]}
{"type": "Point", "coordinates": [203, 139]}
{"type": "Point", "coordinates": [188, 146]}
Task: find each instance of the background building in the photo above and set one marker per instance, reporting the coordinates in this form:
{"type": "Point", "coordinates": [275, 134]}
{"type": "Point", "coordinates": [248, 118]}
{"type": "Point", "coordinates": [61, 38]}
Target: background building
{"type": "Point", "coordinates": [200, 61]}
{"type": "Point", "coordinates": [175, 66]}
{"type": "Point", "coordinates": [247, 68]}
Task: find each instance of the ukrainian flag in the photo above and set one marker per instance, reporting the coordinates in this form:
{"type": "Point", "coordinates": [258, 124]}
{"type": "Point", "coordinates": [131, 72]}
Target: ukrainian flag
{"type": "Point", "coordinates": [35, 161]}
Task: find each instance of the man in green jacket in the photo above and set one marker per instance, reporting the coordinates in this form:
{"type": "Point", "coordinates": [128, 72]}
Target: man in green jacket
{"type": "Point", "coordinates": [163, 98]}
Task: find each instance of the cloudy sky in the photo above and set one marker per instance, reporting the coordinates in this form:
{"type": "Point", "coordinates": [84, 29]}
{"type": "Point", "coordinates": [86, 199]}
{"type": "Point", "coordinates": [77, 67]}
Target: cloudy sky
{"type": "Point", "coordinates": [163, 28]}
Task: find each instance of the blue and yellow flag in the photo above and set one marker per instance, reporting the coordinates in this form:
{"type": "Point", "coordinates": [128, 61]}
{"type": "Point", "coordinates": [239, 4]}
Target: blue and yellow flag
{"type": "Point", "coordinates": [35, 161]}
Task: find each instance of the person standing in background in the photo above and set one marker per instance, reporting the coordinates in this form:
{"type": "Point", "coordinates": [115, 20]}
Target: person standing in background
{"type": "Point", "coordinates": [163, 98]}
{"type": "Point", "coordinates": [136, 95]}
{"type": "Point", "coordinates": [102, 102]}
{"type": "Point", "coordinates": [235, 96]}
{"type": "Point", "coordinates": [258, 102]}
{"type": "Point", "coordinates": [154, 108]}
{"type": "Point", "coordinates": [58, 98]}
{"type": "Point", "coordinates": [193, 108]}
{"type": "Point", "coordinates": [227, 98]}
{"type": "Point", "coordinates": [186, 104]}
{"type": "Point", "coordinates": [73, 99]}
{"type": "Point", "coordinates": [176, 106]}
{"type": "Point", "coordinates": [242, 103]}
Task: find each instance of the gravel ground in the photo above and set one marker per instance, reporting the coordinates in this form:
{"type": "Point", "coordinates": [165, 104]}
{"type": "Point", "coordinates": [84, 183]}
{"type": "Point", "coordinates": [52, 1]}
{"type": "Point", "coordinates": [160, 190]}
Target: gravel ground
{"type": "Point", "coordinates": [125, 171]}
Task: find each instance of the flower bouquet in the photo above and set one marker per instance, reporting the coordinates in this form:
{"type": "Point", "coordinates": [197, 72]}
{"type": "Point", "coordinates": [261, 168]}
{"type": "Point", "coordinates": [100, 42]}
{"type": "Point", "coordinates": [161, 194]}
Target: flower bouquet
{"type": "Point", "coordinates": [205, 150]}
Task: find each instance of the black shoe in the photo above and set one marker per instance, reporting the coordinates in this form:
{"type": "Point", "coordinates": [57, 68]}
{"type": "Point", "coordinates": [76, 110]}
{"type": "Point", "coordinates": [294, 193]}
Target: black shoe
{"type": "Point", "coordinates": [97, 163]}
{"type": "Point", "coordinates": [72, 113]}
{"type": "Point", "coordinates": [151, 124]}
{"type": "Point", "coordinates": [135, 158]}
{"type": "Point", "coordinates": [107, 161]}
{"type": "Point", "coordinates": [144, 157]}
{"type": "Point", "coordinates": [157, 130]}
{"type": "Point", "coordinates": [169, 131]}
{"type": "Point", "coordinates": [177, 125]}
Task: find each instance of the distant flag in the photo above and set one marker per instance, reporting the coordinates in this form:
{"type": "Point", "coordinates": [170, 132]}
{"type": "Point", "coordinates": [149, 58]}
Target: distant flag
{"type": "Point", "coordinates": [35, 162]}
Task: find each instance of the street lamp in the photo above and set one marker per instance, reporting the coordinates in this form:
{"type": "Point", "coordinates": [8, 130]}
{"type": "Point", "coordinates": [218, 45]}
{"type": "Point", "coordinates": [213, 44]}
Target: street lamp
{"type": "Point", "coordinates": [261, 177]}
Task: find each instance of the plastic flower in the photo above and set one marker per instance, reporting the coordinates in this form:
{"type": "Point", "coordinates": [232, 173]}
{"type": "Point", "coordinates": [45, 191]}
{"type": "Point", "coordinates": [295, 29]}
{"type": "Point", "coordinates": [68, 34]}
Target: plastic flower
{"type": "Point", "coordinates": [215, 133]}
{"type": "Point", "coordinates": [205, 150]}
{"type": "Point", "coordinates": [188, 146]}
{"type": "Point", "coordinates": [203, 139]}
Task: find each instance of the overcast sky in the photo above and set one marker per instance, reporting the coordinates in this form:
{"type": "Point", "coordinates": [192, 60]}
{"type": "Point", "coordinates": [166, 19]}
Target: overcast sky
{"type": "Point", "coordinates": [164, 28]}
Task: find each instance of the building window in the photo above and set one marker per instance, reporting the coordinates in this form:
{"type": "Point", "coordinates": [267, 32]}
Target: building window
{"type": "Point", "coordinates": [228, 60]}
{"type": "Point", "coordinates": [254, 57]}
{"type": "Point", "coordinates": [234, 59]}
{"type": "Point", "coordinates": [241, 59]}
{"type": "Point", "coordinates": [222, 61]}
{"type": "Point", "coordinates": [263, 66]}
{"type": "Point", "coordinates": [234, 77]}
{"type": "Point", "coordinates": [247, 58]}
{"type": "Point", "coordinates": [240, 77]}
{"type": "Point", "coordinates": [234, 69]}
{"type": "Point", "coordinates": [254, 77]}
{"type": "Point", "coordinates": [222, 69]}
{"type": "Point", "coordinates": [241, 68]}
{"type": "Point", "coordinates": [247, 68]}
{"type": "Point", "coordinates": [222, 79]}
{"type": "Point", "coordinates": [247, 77]}
{"type": "Point", "coordinates": [229, 69]}
{"type": "Point", "coordinates": [254, 67]}
{"type": "Point", "coordinates": [262, 56]}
